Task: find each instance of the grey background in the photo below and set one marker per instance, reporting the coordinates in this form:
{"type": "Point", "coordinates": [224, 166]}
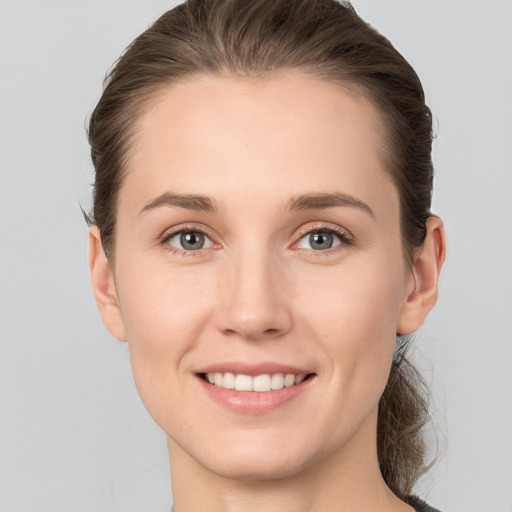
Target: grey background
{"type": "Point", "coordinates": [74, 435]}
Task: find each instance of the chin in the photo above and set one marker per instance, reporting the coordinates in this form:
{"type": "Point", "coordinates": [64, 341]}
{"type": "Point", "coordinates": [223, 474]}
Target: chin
{"type": "Point", "coordinates": [257, 456]}
{"type": "Point", "coordinates": [257, 468]}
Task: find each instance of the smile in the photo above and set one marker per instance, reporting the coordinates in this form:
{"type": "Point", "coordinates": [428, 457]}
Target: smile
{"type": "Point", "coordinates": [260, 383]}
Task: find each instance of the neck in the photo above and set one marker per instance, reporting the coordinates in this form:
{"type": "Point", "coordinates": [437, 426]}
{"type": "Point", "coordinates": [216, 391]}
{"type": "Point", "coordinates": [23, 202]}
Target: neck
{"type": "Point", "coordinates": [348, 480]}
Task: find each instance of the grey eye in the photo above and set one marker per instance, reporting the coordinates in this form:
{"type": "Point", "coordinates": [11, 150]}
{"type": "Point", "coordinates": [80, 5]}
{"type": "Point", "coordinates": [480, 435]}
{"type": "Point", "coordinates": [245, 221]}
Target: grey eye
{"type": "Point", "coordinates": [319, 240]}
{"type": "Point", "coordinates": [189, 240]}
{"type": "Point", "coordinates": [192, 240]}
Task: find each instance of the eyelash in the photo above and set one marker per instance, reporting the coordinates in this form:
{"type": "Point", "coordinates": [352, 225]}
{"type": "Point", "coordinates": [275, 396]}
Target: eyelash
{"type": "Point", "coordinates": [343, 235]}
{"type": "Point", "coordinates": [183, 229]}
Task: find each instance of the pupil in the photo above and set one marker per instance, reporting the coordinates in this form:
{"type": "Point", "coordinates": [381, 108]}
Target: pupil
{"type": "Point", "coordinates": [192, 240]}
{"type": "Point", "coordinates": [321, 240]}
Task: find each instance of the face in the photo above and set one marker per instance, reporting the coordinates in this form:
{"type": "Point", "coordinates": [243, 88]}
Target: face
{"type": "Point", "coordinates": [258, 247]}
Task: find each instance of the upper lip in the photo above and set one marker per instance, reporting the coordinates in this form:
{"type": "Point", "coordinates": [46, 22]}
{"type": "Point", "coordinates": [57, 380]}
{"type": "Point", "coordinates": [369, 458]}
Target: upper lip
{"type": "Point", "coordinates": [253, 369]}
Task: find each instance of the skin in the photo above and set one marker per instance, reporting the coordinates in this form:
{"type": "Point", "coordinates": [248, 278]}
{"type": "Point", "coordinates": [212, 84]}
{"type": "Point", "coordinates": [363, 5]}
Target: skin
{"type": "Point", "coordinates": [259, 292]}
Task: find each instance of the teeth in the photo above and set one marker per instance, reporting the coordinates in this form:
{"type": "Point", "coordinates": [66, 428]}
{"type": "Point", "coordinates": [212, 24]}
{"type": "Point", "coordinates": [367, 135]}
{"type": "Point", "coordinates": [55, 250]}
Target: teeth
{"type": "Point", "coordinates": [289, 380]}
{"type": "Point", "coordinates": [299, 378]}
{"type": "Point", "coordinates": [277, 381]}
{"type": "Point", "coordinates": [243, 383]}
{"type": "Point", "coordinates": [228, 381]}
{"type": "Point", "coordinates": [260, 383]}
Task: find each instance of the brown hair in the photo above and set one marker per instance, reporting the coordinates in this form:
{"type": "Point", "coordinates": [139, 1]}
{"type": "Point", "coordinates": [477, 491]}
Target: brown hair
{"type": "Point", "coordinates": [254, 38]}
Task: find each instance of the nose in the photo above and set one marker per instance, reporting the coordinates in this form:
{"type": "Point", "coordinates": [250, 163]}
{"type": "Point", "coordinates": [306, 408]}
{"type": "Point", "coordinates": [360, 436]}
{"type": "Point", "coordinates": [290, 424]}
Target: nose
{"type": "Point", "coordinates": [254, 302]}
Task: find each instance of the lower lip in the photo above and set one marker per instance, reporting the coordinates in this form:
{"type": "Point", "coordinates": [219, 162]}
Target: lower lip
{"type": "Point", "coordinates": [253, 402]}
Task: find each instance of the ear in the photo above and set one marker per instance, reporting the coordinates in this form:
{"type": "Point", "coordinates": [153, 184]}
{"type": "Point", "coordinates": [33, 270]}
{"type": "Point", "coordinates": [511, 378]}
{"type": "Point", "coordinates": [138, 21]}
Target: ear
{"type": "Point", "coordinates": [425, 270]}
{"type": "Point", "coordinates": [103, 286]}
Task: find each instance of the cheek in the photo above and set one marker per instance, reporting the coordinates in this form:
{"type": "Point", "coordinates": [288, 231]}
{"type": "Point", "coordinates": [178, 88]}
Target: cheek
{"type": "Point", "coordinates": [353, 315]}
{"type": "Point", "coordinates": [359, 297]}
{"type": "Point", "coordinates": [164, 303]}
{"type": "Point", "coordinates": [164, 313]}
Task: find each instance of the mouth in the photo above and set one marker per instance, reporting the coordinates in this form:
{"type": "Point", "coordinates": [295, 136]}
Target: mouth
{"type": "Point", "coordinates": [262, 383]}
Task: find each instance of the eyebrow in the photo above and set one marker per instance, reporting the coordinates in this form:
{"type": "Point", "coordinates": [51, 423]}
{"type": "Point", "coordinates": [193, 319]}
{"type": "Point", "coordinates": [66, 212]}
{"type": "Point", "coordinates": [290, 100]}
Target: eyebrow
{"type": "Point", "coordinates": [312, 201]}
{"type": "Point", "coordinates": [319, 201]}
{"type": "Point", "coordinates": [188, 201]}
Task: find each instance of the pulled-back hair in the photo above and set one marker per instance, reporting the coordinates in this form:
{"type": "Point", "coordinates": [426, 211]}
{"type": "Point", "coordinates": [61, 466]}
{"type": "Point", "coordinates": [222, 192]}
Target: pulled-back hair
{"type": "Point", "coordinates": [255, 38]}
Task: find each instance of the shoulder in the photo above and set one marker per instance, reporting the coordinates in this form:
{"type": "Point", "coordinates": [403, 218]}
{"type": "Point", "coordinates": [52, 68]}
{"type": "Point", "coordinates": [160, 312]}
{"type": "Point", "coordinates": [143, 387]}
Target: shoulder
{"type": "Point", "coordinates": [419, 505]}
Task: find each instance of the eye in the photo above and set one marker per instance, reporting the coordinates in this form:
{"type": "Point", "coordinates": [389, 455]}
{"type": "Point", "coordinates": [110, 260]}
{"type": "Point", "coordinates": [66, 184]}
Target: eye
{"type": "Point", "coordinates": [320, 240]}
{"type": "Point", "coordinates": [189, 240]}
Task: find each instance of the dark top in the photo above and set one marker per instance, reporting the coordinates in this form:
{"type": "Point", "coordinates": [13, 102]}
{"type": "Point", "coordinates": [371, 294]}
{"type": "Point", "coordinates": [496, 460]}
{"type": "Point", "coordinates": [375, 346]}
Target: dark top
{"type": "Point", "coordinates": [419, 505]}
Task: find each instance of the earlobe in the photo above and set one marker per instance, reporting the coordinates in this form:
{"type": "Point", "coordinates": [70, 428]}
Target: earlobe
{"type": "Point", "coordinates": [103, 286]}
{"type": "Point", "coordinates": [426, 268]}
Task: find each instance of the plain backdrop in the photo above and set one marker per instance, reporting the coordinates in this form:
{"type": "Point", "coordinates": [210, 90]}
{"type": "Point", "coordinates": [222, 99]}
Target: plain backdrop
{"type": "Point", "coordinates": [74, 435]}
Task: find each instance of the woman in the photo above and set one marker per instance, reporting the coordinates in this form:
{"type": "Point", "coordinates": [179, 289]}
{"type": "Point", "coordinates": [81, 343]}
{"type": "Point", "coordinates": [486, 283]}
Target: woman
{"type": "Point", "coordinates": [261, 236]}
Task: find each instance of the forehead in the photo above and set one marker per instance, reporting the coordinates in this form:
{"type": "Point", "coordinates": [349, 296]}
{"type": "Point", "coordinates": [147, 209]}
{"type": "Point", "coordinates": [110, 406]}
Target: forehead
{"type": "Point", "coordinates": [288, 132]}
